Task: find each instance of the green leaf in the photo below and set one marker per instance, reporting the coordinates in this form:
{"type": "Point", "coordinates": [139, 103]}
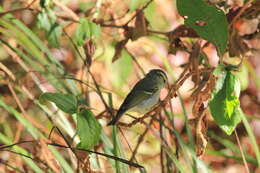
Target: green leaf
{"type": "Point", "coordinates": [65, 102]}
{"type": "Point", "coordinates": [208, 21]}
{"type": "Point", "coordinates": [46, 20]}
{"type": "Point", "coordinates": [88, 128]}
{"type": "Point", "coordinates": [53, 35]}
{"type": "Point", "coordinates": [85, 30]}
{"type": "Point", "coordinates": [43, 21]}
{"type": "Point", "coordinates": [224, 105]}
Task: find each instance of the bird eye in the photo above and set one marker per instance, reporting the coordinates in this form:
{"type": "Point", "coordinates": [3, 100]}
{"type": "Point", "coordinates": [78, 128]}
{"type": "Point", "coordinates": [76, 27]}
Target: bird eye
{"type": "Point", "coordinates": [162, 76]}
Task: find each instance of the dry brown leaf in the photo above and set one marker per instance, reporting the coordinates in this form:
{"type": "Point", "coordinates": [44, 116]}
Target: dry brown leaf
{"type": "Point", "coordinates": [119, 47]}
{"type": "Point", "coordinates": [89, 48]}
{"type": "Point", "coordinates": [203, 95]}
{"type": "Point", "coordinates": [194, 58]}
{"type": "Point", "coordinates": [84, 162]}
{"type": "Point", "coordinates": [236, 45]}
{"type": "Point", "coordinates": [140, 28]}
{"type": "Point", "coordinates": [201, 137]}
{"type": "Point", "coordinates": [199, 112]}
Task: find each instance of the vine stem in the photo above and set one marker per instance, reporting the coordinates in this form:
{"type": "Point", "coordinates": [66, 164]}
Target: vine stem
{"type": "Point", "coordinates": [242, 153]}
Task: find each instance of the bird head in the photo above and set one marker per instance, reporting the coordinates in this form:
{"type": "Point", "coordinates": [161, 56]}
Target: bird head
{"type": "Point", "coordinates": [159, 76]}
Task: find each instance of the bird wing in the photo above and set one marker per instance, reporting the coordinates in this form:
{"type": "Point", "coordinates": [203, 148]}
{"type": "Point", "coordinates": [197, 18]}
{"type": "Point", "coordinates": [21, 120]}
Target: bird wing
{"type": "Point", "coordinates": [139, 93]}
{"type": "Point", "coordinates": [144, 89]}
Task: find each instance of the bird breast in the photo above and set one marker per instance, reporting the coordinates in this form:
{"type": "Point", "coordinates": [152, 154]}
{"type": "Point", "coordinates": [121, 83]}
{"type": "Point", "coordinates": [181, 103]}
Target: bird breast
{"type": "Point", "coordinates": [147, 104]}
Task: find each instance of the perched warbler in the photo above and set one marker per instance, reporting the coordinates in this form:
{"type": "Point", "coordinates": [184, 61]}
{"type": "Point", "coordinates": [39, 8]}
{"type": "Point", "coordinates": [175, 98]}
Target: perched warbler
{"type": "Point", "coordinates": [144, 95]}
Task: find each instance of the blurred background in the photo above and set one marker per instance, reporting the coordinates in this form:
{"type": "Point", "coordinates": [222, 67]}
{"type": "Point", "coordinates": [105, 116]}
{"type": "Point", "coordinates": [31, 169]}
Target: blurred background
{"type": "Point", "coordinates": [45, 49]}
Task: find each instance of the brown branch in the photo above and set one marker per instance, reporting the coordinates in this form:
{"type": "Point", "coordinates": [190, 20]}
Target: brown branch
{"type": "Point", "coordinates": [18, 9]}
{"type": "Point", "coordinates": [157, 32]}
{"type": "Point", "coordinates": [240, 12]}
{"type": "Point", "coordinates": [173, 126]}
{"type": "Point", "coordinates": [100, 94]}
{"type": "Point", "coordinates": [135, 60]}
{"type": "Point", "coordinates": [66, 9]}
{"type": "Point", "coordinates": [137, 12]}
{"type": "Point", "coordinates": [162, 149]}
{"type": "Point", "coordinates": [110, 25]}
{"type": "Point", "coordinates": [101, 154]}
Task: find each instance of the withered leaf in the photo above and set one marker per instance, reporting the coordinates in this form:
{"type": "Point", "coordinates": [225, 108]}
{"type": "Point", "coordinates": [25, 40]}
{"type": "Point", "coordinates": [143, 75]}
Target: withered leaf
{"type": "Point", "coordinates": [119, 47]}
{"type": "Point", "coordinates": [140, 28]}
{"type": "Point", "coordinates": [236, 45]}
{"type": "Point", "coordinates": [89, 48]}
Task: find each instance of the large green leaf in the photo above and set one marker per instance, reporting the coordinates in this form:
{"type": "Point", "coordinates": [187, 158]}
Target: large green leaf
{"type": "Point", "coordinates": [224, 105]}
{"type": "Point", "coordinates": [65, 102]}
{"type": "Point", "coordinates": [208, 21]}
{"type": "Point", "coordinates": [88, 128]}
{"type": "Point", "coordinates": [85, 30]}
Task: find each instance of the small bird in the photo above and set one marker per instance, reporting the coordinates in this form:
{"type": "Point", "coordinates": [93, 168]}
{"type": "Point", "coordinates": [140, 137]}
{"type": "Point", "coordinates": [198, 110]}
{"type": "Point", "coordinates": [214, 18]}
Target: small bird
{"type": "Point", "coordinates": [144, 95]}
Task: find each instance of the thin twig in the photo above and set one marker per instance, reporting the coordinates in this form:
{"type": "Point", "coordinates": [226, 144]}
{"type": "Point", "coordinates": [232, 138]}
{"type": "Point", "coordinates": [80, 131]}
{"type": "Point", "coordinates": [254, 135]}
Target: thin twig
{"type": "Point", "coordinates": [102, 154]}
{"type": "Point", "coordinates": [69, 145]}
{"type": "Point", "coordinates": [140, 140]}
{"type": "Point", "coordinates": [242, 152]}
{"type": "Point", "coordinates": [162, 149]}
{"type": "Point", "coordinates": [14, 144]}
{"type": "Point", "coordinates": [138, 11]}
{"type": "Point", "coordinates": [4, 148]}
{"type": "Point", "coordinates": [66, 9]}
{"type": "Point", "coordinates": [117, 18]}
{"type": "Point", "coordinates": [100, 94]}
{"type": "Point", "coordinates": [135, 60]}
{"type": "Point", "coordinates": [173, 126]}
{"type": "Point", "coordinates": [10, 166]}
{"type": "Point", "coordinates": [74, 45]}
{"type": "Point", "coordinates": [157, 32]}
{"type": "Point", "coordinates": [18, 9]}
{"type": "Point", "coordinates": [111, 25]}
{"type": "Point", "coordinates": [240, 12]}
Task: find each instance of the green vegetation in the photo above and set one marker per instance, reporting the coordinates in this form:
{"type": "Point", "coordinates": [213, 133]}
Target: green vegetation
{"type": "Point", "coordinates": [65, 68]}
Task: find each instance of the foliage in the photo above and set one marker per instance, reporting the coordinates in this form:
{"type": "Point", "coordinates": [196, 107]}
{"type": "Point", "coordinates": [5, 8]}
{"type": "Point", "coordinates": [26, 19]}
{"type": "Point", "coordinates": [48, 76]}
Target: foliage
{"type": "Point", "coordinates": [208, 21]}
{"type": "Point", "coordinates": [65, 102]}
{"type": "Point", "coordinates": [224, 105]}
{"type": "Point", "coordinates": [85, 30]}
{"type": "Point", "coordinates": [66, 66]}
{"type": "Point", "coordinates": [88, 128]}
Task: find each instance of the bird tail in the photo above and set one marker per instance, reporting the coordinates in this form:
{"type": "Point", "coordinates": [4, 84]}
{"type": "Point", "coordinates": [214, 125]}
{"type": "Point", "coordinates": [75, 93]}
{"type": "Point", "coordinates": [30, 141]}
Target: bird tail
{"type": "Point", "coordinates": [120, 112]}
